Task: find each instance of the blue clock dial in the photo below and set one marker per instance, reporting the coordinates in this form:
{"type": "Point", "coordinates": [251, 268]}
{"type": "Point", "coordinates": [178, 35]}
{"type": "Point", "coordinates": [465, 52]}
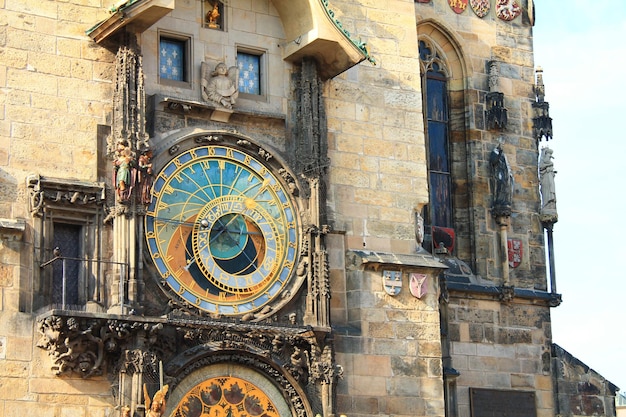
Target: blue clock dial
{"type": "Point", "coordinates": [222, 230]}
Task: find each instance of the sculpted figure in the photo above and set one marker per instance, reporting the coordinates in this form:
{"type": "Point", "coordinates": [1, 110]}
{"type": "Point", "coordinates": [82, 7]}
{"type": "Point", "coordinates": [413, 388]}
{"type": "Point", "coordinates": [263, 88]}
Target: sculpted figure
{"type": "Point", "coordinates": [501, 181]}
{"type": "Point", "coordinates": [124, 171]}
{"type": "Point", "coordinates": [546, 182]}
{"type": "Point", "coordinates": [213, 16]}
{"type": "Point", "coordinates": [156, 407]}
{"type": "Point", "coordinates": [220, 86]}
{"type": "Point", "coordinates": [145, 174]}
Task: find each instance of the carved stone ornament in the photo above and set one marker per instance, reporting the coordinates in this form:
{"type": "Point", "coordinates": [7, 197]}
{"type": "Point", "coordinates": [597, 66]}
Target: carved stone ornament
{"type": "Point", "coordinates": [220, 85]}
{"type": "Point", "coordinates": [507, 293]}
{"type": "Point", "coordinates": [62, 193]}
{"type": "Point", "coordinates": [85, 344]}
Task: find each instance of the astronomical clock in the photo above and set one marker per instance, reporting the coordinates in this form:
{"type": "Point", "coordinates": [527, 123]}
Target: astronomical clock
{"type": "Point", "coordinates": [223, 231]}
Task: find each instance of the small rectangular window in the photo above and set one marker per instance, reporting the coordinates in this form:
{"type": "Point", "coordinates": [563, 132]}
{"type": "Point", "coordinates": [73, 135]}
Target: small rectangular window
{"type": "Point", "coordinates": [66, 275]}
{"type": "Point", "coordinates": [250, 73]}
{"type": "Point", "coordinates": [174, 60]}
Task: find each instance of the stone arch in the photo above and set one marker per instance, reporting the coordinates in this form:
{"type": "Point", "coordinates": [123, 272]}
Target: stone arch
{"type": "Point", "coordinates": [450, 49]}
{"type": "Point", "coordinates": [280, 387]}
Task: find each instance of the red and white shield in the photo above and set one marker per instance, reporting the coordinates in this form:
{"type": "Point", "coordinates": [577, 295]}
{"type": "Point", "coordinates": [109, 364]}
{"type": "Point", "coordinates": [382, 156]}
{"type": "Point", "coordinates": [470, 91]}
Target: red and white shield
{"type": "Point", "coordinates": [418, 284]}
{"type": "Point", "coordinates": [392, 282]}
{"type": "Point", "coordinates": [458, 6]}
{"type": "Point", "coordinates": [480, 7]}
{"type": "Point", "coordinates": [516, 251]}
{"type": "Point", "coordinates": [443, 238]}
{"type": "Point", "coordinates": [508, 9]}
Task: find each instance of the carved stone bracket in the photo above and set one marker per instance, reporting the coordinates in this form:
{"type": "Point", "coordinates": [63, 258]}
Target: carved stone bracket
{"type": "Point", "coordinates": [85, 343]}
{"type": "Point", "coordinates": [64, 194]}
{"type": "Point", "coordinates": [507, 293]}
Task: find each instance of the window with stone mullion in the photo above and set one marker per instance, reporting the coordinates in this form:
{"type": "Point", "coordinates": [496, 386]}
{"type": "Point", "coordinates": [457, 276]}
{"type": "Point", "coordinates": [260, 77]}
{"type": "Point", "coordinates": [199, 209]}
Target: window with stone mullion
{"type": "Point", "coordinates": [439, 212]}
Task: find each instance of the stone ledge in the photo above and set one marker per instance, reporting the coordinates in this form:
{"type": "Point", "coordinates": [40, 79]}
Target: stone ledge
{"type": "Point", "coordinates": [215, 113]}
{"type": "Point", "coordinates": [422, 260]}
{"type": "Point", "coordinates": [12, 229]}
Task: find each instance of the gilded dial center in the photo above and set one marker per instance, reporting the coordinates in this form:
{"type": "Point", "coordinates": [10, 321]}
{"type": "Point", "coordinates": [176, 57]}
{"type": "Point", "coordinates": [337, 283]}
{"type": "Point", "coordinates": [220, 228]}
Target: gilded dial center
{"type": "Point", "coordinates": [236, 243]}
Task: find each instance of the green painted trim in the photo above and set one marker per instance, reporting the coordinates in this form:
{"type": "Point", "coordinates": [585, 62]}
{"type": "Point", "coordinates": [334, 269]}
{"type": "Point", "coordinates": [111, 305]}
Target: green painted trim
{"type": "Point", "coordinates": [362, 46]}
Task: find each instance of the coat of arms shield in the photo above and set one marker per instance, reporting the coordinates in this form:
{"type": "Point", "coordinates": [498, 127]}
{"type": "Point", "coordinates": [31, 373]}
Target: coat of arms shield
{"type": "Point", "coordinates": [480, 7]}
{"type": "Point", "coordinates": [392, 282]}
{"type": "Point", "coordinates": [418, 284]}
{"type": "Point", "coordinates": [458, 6]}
{"type": "Point", "coordinates": [508, 9]}
{"type": "Point", "coordinates": [516, 251]}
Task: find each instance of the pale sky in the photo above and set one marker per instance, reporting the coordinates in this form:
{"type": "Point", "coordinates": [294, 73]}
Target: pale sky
{"type": "Point", "coordinates": [581, 46]}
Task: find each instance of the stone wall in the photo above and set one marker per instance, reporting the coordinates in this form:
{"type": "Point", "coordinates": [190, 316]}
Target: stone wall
{"type": "Point", "coordinates": [580, 391]}
{"type": "Point", "coordinates": [469, 43]}
{"type": "Point", "coordinates": [375, 131]}
{"type": "Point", "coordinates": [57, 88]}
{"type": "Point", "coordinates": [500, 346]}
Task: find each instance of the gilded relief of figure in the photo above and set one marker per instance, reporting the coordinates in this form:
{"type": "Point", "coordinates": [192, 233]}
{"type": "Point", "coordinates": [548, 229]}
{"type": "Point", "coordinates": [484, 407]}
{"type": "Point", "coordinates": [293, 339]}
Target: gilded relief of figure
{"type": "Point", "coordinates": [546, 182]}
{"type": "Point", "coordinates": [156, 407]}
{"type": "Point", "coordinates": [220, 86]}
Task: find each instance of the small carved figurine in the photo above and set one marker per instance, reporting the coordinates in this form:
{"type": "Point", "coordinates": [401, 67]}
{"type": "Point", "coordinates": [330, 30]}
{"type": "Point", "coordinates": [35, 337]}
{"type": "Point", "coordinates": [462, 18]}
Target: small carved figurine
{"type": "Point", "coordinates": [156, 407]}
{"type": "Point", "coordinates": [124, 175]}
{"type": "Point", "coordinates": [213, 17]}
{"type": "Point", "coordinates": [145, 174]}
{"type": "Point", "coordinates": [221, 86]}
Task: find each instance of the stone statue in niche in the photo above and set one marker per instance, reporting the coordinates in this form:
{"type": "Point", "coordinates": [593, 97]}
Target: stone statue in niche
{"type": "Point", "coordinates": [546, 182]}
{"type": "Point", "coordinates": [501, 182]}
{"type": "Point", "coordinates": [220, 86]}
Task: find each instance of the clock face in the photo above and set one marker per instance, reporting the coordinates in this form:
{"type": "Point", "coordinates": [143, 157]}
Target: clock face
{"type": "Point", "coordinates": [221, 230]}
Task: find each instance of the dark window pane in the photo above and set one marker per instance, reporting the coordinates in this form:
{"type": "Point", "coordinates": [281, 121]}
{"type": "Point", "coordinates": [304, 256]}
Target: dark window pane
{"type": "Point", "coordinates": [424, 50]}
{"type": "Point", "coordinates": [67, 238]}
{"type": "Point", "coordinates": [437, 104]}
{"type": "Point", "coordinates": [172, 59]}
{"type": "Point", "coordinates": [438, 147]}
{"type": "Point", "coordinates": [440, 202]}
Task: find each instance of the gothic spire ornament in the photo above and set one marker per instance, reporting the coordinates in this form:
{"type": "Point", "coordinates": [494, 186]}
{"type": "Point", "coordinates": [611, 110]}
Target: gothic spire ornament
{"type": "Point", "coordinates": [496, 113]}
{"type": "Point", "coordinates": [542, 122]}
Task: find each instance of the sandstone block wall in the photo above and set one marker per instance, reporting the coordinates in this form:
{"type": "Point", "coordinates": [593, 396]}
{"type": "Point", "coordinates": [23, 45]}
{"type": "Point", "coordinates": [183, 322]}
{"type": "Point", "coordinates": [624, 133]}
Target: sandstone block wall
{"type": "Point", "coordinates": [56, 89]}
{"type": "Point", "coordinates": [375, 131]}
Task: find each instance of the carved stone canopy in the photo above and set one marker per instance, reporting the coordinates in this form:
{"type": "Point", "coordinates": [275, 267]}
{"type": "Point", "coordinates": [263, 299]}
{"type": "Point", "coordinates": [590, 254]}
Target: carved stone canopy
{"type": "Point", "coordinates": [92, 344]}
{"type": "Point", "coordinates": [48, 192]}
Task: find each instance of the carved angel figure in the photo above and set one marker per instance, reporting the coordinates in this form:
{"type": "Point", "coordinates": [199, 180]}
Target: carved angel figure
{"type": "Point", "coordinates": [220, 86]}
{"type": "Point", "coordinates": [156, 407]}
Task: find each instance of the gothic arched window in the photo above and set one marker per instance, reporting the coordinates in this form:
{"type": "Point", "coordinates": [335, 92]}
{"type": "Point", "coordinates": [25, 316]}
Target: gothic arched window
{"type": "Point", "coordinates": [436, 115]}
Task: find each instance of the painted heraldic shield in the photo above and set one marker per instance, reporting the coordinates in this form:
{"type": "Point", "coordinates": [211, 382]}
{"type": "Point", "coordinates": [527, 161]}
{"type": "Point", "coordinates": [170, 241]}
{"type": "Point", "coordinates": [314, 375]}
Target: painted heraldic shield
{"type": "Point", "coordinates": [392, 282]}
{"type": "Point", "coordinates": [516, 251]}
{"type": "Point", "coordinates": [418, 284]}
